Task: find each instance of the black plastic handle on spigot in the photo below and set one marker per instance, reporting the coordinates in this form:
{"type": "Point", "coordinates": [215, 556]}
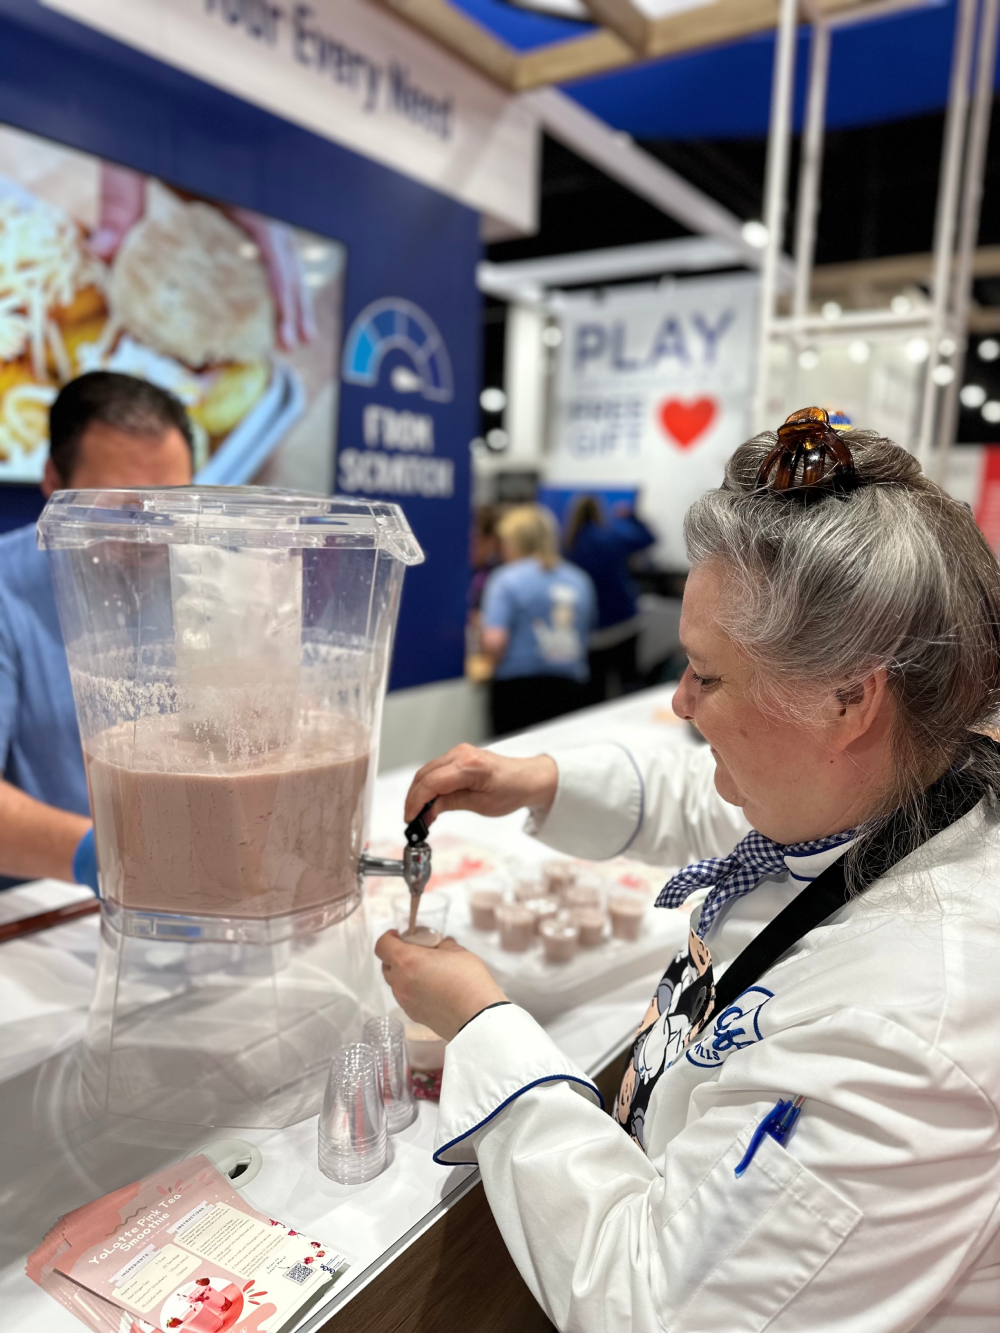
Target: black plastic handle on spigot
{"type": "Point", "coordinates": [417, 830]}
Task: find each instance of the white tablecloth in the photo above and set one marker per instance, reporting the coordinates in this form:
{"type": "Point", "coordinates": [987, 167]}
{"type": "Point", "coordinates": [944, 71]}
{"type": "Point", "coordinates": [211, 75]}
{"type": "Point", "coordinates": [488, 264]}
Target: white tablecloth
{"type": "Point", "coordinates": [56, 1153]}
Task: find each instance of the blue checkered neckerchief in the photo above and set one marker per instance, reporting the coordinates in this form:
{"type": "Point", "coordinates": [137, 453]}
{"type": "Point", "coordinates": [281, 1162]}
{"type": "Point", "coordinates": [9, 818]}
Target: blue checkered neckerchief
{"type": "Point", "coordinates": [729, 877]}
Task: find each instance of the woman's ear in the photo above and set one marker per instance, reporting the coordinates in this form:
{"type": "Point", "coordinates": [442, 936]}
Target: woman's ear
{"type": "Point", "coordinates": [859, 705]}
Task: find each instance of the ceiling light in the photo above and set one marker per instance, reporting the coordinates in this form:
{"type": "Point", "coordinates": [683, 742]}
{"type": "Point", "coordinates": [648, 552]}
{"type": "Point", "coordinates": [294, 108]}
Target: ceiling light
{"type": "Point", "coordinates": [989, 349]}
{"type": "Point", "coordinates": [809, 358]}
{"type": "Point", "coordinates": [900, 305]}
{"type": "Point", "coordinates": [754, 233]}
{"type": "Point", "coordinates": [947, 347]}
{"type": "Point", "coordinates": [493, 400]}
{"type": "Point", "coordinates": [942, 375]}
{"type": "Point", "coordinates": [991, 411]}
{"type": "Point", "coordinates": [917, 350]}
{"type": "Point", "coordinates": [497, 440]}
{"type": "Point", "coordinates": [831, 310]}
{"type": "Point", "coordinates": [972, 395]}
{"type": "Point", "coordinates": [859, 351]}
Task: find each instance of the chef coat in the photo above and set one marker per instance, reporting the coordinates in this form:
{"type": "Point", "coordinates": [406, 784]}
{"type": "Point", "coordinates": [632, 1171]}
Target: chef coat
{"type": "Point", "coordinates": [881, 1213]}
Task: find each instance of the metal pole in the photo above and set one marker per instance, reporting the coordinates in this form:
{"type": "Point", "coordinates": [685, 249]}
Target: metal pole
{"type": "Point", "coordinates": [945, 221]}
{"type": "Point", "coordinates": [972, 198]}
{"type": "Point", "coordinates": [810, 176]}
{"type": "Point", "coordinates": [811, 168]}
{"type": "Point", "coordinates": [775, 187]}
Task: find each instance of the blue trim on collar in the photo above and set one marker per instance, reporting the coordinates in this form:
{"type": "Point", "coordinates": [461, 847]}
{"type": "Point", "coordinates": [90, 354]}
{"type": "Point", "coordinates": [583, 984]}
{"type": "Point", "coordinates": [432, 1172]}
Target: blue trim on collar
{"type": "Point", "coordinates": [546, 1078]}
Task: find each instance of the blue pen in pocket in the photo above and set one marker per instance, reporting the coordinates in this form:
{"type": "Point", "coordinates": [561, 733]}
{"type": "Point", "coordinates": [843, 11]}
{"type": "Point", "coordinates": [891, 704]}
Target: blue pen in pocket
{"type": "Point", "coordinates": [779, 1123]}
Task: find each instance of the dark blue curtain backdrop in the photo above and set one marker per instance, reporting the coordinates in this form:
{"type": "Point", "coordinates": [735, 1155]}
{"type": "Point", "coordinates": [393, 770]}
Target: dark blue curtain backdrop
{"type": "Point", "coordinates": [71, 84]}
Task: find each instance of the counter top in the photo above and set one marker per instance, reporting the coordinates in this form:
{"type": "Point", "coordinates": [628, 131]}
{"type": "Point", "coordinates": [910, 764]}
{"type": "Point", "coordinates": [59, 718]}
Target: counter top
{"type": "Point", "coordinates": [56, 1153]}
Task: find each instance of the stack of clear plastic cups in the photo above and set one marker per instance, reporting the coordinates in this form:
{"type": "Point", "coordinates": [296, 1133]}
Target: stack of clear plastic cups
{"type": "Point", "coordinates": [353, 1141]}
{"type": "Point", "coordinates": [388, 1040]}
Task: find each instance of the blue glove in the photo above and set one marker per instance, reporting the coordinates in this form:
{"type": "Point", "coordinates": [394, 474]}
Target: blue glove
{"type": "Point", "coordinates": [85, 862]}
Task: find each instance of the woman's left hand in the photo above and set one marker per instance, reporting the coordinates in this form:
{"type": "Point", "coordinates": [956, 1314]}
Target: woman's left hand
{"type": "Point", "coordinates": [442, 988]}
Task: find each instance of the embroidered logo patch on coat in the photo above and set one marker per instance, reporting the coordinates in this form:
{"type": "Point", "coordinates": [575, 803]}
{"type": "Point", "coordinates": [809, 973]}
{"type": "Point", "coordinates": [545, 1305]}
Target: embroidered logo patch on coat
{"type": "Point", "coordinates": [734, 1028]}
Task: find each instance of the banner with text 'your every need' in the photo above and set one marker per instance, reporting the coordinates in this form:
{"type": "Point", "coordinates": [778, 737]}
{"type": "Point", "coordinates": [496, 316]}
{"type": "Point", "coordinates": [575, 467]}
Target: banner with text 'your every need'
{"type": "Point", "coordinates": [653, 389]}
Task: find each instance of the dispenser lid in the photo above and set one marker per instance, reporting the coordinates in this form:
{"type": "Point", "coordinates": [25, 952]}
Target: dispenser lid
{"type": "Point", "coordinates": [234, 516]}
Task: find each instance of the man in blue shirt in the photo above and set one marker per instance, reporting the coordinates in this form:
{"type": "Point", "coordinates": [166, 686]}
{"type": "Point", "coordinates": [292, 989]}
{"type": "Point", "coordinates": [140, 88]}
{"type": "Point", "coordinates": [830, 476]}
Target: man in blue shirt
{"type": "Point", "coordinates": [106, 431]}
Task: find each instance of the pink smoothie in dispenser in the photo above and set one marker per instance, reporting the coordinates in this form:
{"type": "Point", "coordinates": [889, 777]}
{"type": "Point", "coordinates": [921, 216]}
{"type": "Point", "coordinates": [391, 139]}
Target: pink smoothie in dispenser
{"type": "Point", "coordinates": [517, 927]}
{"type": "Point", "coordinates": [559, 940]}
{"type": "Point", "coordinates": [483, 906]}
{"type": "Point", "coordinates": [626, 911]}
{"type": "Point", "coordinates": [181, 827]}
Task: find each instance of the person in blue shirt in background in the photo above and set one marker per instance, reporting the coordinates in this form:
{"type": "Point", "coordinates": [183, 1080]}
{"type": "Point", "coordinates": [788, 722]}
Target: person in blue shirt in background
{"type": "Point", "coordinates": [106, 431]}
{"type": "Point", "coordinates": [604, 550]}
{"type": "Point", "coordinates": [538, 611]}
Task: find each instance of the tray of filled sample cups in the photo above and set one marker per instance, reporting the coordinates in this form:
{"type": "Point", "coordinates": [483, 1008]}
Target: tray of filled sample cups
{"type": "Point", "coordinates": [564, 932]}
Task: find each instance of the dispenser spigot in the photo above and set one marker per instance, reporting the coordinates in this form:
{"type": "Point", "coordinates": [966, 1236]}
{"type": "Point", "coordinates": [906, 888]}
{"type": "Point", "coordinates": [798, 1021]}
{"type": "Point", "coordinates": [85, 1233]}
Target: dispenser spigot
{"type": "Point", "coordinates": [415, 867]}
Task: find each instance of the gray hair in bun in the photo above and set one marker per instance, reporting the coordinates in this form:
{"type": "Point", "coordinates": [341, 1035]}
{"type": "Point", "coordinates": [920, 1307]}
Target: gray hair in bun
{"type": "Point", "coordinates": [892, 574]}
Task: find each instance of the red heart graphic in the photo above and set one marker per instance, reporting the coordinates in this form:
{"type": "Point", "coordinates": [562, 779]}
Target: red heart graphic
{"type": "Point", "coordinates": [684, 422]}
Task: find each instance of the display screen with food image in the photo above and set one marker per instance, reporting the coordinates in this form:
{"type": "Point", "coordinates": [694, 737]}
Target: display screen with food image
{"type": "Point", "coordinates": [237, 314]}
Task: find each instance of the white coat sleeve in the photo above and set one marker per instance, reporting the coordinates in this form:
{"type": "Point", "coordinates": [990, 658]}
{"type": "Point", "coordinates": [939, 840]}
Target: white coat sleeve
{"type": "Point", "coordinates": [658, 805]}
{"type": "Point", "coordinates": [886, 1191]}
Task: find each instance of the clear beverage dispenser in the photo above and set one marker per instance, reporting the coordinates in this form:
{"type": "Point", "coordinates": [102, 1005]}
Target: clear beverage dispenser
{"type": "Point", "coordinates": [228, 649]}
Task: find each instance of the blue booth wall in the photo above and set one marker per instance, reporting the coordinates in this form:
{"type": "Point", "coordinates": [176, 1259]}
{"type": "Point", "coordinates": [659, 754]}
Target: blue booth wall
{"type": "Point", "coordinates": [74, 85]}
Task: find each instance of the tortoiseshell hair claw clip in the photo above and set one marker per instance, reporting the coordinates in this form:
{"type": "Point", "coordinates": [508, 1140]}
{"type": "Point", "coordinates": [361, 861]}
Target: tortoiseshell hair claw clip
{"type": "Point", "coordinates": [810, 458]}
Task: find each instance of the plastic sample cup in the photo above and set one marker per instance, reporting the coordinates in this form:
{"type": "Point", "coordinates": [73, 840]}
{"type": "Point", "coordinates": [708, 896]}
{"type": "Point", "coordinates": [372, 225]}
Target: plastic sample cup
{"type": "Point", "coordinates": [387, 1038]}
{"type": "Point", "coordinates": [483, 906]}
{"type": "Point", "coordinates": [425, 1053]}
{"type": "Point", "coordinates": [626, 911]}
{"type": "Point", "coordinates": [543, 909]}
{"type": "Point", "coordinates": [559, 940]}
{"type": "Point", "coordinates": [558, 876]}
{"type": "Point", "coordinates": [591, 923]}
{"type": "Point", "coordinates": [423, 936]}
{"type": "Point", "coordinates": [353, 1139]}
{"type": "Point", "coordinates": [527, 885]}
{"type": "Point", "coordinates": [432, 916]}
{"type": "Point", "coordinates": [517, 927]}
{"type": "Point", "coordinates": [583, 895]}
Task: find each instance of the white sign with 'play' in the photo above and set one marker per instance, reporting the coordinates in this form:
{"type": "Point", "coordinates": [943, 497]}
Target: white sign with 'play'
{"type": "Point", "coordinates": [653, 390]}
{"type": "Point", "coordinates": [355, 74]}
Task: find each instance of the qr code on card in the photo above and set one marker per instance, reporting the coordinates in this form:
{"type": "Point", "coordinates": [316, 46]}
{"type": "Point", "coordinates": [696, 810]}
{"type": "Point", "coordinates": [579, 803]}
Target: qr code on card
{"type": "Point", "coordinates": [299, 1273]}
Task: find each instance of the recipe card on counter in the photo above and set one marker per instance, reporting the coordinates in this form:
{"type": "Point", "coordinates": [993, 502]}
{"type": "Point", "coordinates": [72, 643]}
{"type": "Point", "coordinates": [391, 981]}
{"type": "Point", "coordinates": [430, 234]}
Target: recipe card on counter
{"type": "Point", "coordinates": [182, 1250]}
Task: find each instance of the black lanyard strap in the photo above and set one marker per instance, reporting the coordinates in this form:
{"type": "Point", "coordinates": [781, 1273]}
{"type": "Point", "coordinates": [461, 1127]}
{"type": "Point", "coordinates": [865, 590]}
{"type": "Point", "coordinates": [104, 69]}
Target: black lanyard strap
{"type": "Point", "coordinates": [948, 800]}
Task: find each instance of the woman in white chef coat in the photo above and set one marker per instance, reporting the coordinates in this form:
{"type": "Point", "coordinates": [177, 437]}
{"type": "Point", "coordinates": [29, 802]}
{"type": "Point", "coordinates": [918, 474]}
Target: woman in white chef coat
{"type": "Point", "coordinates": [842, 624]}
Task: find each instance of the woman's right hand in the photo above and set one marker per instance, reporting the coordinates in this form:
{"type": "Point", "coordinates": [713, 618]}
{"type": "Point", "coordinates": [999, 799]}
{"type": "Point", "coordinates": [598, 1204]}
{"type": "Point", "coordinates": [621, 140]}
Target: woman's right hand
{"type": "Point", "coordinates": [479, 780]}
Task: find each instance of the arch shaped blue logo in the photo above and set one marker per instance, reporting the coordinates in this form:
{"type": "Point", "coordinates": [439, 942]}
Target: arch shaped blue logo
{"type": "Point", "coordinates": [393, 324]}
